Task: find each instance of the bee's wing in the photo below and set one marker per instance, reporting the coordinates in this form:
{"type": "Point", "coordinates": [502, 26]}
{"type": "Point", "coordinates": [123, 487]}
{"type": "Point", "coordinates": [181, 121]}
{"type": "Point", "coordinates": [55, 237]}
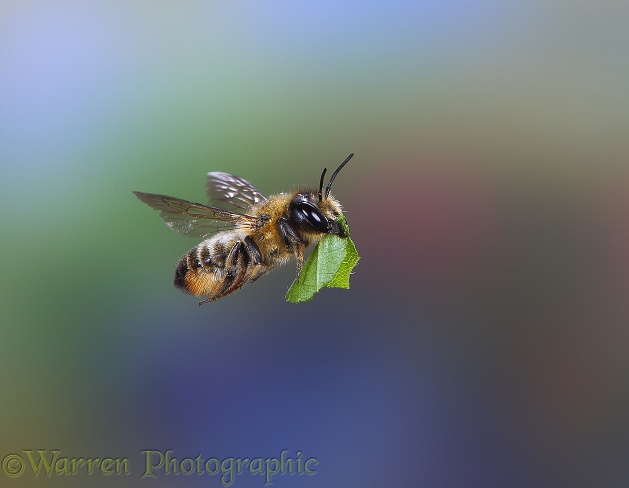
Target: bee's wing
{"type": "Point", "coordinates": [194, 219]}
{"type": "Point", "coordinates": [223, 187]}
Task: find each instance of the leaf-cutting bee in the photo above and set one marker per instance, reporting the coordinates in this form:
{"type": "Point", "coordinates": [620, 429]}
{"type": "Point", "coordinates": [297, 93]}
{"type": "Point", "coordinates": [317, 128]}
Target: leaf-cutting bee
{"type": "Point", "coordinates": [256, 237]}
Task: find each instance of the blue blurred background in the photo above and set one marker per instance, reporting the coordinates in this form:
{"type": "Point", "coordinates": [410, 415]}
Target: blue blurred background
{"type": "Point", "coordinates": [484, 340]}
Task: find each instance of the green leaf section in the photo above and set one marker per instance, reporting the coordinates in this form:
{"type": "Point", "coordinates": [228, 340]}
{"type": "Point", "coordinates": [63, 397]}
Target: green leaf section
{"type": "Point", "coordinates": [330, 264]}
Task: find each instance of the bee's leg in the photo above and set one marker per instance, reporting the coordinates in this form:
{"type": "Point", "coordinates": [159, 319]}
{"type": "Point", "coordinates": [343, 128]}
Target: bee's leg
{"type": "Point", "coordinates": [235, 269]}
{"type": "Point", "coordinates": [292, 242]}
{"type": "Point", "coordinates": [299, 256]}
{"type": "Point", "coordinates": [253, 258]}
{"type": "Point", "coordinates": [253, 251]}
{"type": "Point", "coordinates": [207, 300]}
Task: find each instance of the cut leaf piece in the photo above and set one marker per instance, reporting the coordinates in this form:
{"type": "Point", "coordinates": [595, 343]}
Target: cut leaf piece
{"type": "Point", "coordinates": [330, 264]}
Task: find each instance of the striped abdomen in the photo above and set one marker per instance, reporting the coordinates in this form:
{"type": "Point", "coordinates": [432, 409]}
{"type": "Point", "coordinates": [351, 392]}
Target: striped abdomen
{"type": "Point", "coordinates": [219, 266]}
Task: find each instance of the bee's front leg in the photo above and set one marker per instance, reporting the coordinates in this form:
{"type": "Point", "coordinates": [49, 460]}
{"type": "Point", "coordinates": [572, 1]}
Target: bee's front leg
{"type": "Point", "coordinates": [292, 242]}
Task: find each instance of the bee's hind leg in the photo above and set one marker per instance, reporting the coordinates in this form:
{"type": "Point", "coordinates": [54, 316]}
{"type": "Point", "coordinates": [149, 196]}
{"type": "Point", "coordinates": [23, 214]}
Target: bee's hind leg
{"type": "Point", "coordinates": [207, 300]}
{"type": "Point", "coordinates": [235, 271]}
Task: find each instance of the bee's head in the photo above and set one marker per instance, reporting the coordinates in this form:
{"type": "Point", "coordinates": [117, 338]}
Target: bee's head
{"type": "Point", "coordinates": [316, 213]}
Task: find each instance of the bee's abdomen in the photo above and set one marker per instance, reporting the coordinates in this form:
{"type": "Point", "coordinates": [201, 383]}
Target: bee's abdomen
{"type": "Point", "coordinates": [218, 266]}
{"type": "Point", "coordinates": [191, 276]}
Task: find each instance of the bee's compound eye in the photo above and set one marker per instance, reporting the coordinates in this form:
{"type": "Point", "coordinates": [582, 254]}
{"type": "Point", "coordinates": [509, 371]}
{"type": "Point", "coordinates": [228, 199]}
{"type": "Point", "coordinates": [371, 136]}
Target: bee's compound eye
{"type": "Point", "coordinates": [314, 217]}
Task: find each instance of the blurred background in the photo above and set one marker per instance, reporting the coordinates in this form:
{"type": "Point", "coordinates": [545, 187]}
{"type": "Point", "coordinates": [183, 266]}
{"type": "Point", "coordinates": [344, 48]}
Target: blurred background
{"type": "Point", "coordinates": [483, 342]}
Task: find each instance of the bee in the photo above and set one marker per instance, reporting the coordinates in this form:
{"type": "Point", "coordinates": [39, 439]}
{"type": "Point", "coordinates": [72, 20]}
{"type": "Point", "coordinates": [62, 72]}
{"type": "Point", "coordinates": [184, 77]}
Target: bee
{"type": "Point", "coordinates": [257, 236]}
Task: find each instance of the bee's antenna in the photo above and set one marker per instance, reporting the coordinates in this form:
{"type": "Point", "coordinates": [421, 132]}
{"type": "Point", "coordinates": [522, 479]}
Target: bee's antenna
{"type": "Point", "coordinates": [321, 184]}
{"type": "Point", "coordinates": [327, 190]}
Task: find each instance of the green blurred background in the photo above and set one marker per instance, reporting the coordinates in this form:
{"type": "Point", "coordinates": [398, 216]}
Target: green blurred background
{"type": "Point", "coordinates": [484, 339]}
